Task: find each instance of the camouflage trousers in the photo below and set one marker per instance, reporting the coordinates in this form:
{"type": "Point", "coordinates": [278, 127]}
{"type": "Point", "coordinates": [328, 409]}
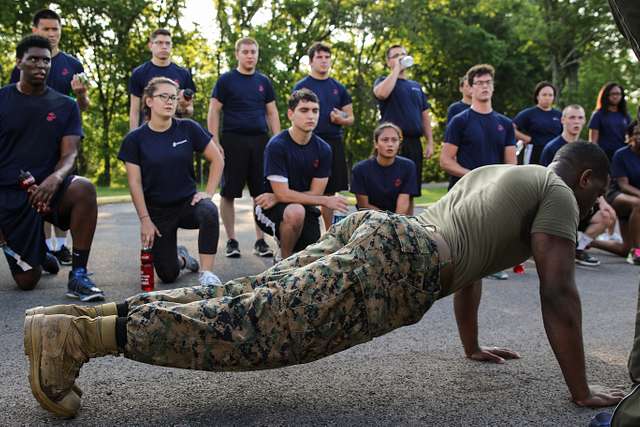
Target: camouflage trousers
{"type": "Point", "coordinates": [369, 274]}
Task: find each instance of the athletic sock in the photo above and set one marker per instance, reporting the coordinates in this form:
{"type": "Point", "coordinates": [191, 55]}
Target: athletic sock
{"type": "Point", "coordinates": [51, 243]}
{"type": "Point", "coordinates": [60, 242]}
{"type": "Point", "coordinates": [583, 241]}
{"type": "Point", "coordinates": [79, 257]}
{"type": "Point", "coordinates": [121, 332]}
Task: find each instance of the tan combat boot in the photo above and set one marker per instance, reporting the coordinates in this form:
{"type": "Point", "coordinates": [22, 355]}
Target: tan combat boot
{"type": "Point", "coordinates": [108, 309]}
{"type": "Point", "coordinates": [57, 346]}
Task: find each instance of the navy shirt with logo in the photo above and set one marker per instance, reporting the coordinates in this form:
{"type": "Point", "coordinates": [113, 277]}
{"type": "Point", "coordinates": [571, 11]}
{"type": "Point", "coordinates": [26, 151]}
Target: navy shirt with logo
{"type": "Point", "coordinates": [31, 129]}
{"type": "Point", "coordinates": [542, 126]}
{"type": "Point", "coordinates": [244, 98]}
{"type": "Point", "coordinates": [165, 159]}
{"type": "Point", "coordinates": [331, 95]}
{"type": "Point", "coordinates": [611, 127]}
{"type": "Point", "coordinates": [626, 163]}
{"type": "Point", "coordinates": [383, 184]}
{"type": "Point", "coordinates": [142, 74]}
{"type": "Point", "coordinates": [481, 138]}
{"type": "Point", "coordinates": [404, 106]}
{"type": "Point", "coordinates": [551, 149]}
{"type": "Point", "coordinates": [298, 163]}
{"type": "Point", "coordinates": [455, 109]}
{"type": "Point", "coordinates": [63, 67]}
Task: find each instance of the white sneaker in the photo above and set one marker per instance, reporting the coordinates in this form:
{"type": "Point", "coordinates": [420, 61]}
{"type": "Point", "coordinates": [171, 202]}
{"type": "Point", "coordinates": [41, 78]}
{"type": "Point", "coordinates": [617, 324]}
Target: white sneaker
{"type": "Point", "coordinates": [207, 278]}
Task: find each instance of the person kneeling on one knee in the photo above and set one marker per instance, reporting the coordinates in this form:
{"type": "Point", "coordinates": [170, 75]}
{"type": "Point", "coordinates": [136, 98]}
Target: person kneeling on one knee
{"type": "Point", "coordinates": [297, 165]}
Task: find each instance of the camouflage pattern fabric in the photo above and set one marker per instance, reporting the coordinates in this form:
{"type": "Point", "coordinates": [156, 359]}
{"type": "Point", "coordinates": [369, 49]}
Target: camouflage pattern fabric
{"type": "Point", "coordinates": [369, 274]}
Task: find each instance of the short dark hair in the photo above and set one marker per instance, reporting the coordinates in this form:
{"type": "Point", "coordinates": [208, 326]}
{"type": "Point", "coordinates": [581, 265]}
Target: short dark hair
{"type": "Point", "coordinates": [30, 41]}
{"type": "Point", "coordinates": [632, 126]}
{"type": "Point", "coordinates": [317, 47]}
{"type": "Point", "coordinates": [303, 94]}
{"type": "Point", "coordinates": [480, 70]}
{"type": "Point", "coordinates": [541, 86]}
{"type": "Point", "coordinates": [393, 46]}
{"type": "Point", "coordinates": [159, 32]}
{"type": "Point", "coordinates": [582, 155]}
{"type": "Point", "coordinates": [45, 14]}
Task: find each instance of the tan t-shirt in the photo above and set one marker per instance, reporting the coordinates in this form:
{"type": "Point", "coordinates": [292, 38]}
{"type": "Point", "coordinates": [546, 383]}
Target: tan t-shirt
{"type": "Point", "coordinates": [489, 215]}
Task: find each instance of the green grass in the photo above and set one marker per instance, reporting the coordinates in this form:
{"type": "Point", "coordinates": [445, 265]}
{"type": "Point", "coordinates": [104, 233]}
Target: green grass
{"type": "Point", "coordinates": [112, 191]}
{"type": "Point", "coordinates": [429, 195]}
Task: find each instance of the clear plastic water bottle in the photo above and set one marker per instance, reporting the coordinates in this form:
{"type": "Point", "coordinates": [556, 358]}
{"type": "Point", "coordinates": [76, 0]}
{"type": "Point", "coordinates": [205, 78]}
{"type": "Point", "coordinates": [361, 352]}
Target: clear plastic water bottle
{"type": "Point", "coordinates": [406, 62]}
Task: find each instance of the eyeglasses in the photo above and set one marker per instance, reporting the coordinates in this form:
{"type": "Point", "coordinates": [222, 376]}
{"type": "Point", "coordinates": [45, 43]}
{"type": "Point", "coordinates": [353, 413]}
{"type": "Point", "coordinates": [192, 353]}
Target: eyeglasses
{"type": "Point", "coordinates": [166, 97]}
{"type": "Point", "coordinates": [483, 82]}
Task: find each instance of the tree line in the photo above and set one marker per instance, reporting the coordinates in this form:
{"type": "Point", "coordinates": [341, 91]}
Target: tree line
{"type": "Point", "coordinates": [573, 44]}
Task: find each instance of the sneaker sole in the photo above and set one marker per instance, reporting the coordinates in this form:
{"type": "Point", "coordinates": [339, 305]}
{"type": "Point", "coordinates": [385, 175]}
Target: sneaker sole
{"type": "Point", "coordinates": [268, 254]}
{"type": "Point", "coordinates": [587, 264]}
{"type": "Point", "coordinates": [233, 254]}
{"type": "Point", "coordinates": [86, 298]}
{"type": "Point", "coordinates": [67, 406]}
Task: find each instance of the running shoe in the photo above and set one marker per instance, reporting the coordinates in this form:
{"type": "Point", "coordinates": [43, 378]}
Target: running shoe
{"type": "Point", "coordinates": [82, 287]}
{"type": "Point", "coordinates": [50, 264]}
{"type": "Point", "coordinates": [233, 249]}
{"type": "Point", "coordinates": [63, 255]}
{"type": "Point", "coordinates": [190, 263]}
{"type": "Point", "coordinates": [261, 248]}
{"type": "Point", "coordinates": [634, 256]}
{"type": "Point", "coordinates": [207, 278]}
{"type": "Point", "coordinates": [585, 258]}
{"type": "Point", "coordinates": [500, 275]}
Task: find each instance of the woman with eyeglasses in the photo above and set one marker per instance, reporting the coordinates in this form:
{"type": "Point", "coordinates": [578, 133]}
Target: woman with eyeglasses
{"type": "Point", "coordinates": [158, 158]}
{"type": "Point", "coordinates": [610, 119]}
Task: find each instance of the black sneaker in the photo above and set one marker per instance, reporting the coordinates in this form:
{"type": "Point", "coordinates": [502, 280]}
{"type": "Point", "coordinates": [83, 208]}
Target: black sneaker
{"type": "Point", "coordinates": [261, 248]}
{"type": "Point", "coordinates": [585, 258]}
{"type": "Point", "coordinates": [233, 249]}
{"type": "Point", "coordinates": [190, 263]}
{"type": "Point", "coordinates": [63, 255]}
{"type": "Point", "coordinates": [82, 287]}
{"type": "Point", "coordinates": [50, 264]}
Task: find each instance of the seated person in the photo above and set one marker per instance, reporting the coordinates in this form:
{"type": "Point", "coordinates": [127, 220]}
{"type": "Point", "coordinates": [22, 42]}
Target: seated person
{"type": "Point", "coordinates": [386, 181]}
{"type": "Point", "coordinates": [40, 130]}
{"type": "Point", "coordinates": [297, 165]}
{"type": "Point", "coordinates": [159, 160]}
{"type": "Point", "coordinates": [624, 197]}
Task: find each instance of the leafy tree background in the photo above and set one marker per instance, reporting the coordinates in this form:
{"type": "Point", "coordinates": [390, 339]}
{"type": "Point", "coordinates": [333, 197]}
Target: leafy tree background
{"type": "Point", "coordinates": [574, 44]}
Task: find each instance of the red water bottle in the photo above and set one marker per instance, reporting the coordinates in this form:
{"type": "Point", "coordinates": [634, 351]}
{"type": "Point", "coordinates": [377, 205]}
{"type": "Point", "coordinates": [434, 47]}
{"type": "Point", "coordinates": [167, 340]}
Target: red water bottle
{"type": "Point", "coordinates": [146, 270]}
{"type": "Point", "coordinates": [28, 183]}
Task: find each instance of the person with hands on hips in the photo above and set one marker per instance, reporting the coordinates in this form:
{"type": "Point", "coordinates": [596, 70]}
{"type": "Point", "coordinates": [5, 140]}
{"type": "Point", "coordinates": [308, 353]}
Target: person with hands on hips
{"type": "Point", "coordinates": [159, 160]}
{"type": "Point", "coordinates": [297, 165]}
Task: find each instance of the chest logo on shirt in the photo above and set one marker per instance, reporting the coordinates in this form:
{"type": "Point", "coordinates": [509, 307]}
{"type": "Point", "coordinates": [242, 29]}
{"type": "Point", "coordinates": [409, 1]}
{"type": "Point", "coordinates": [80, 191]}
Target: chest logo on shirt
{"type": "Point", "coordinates": [51, 117]}
{"type": "Point", "coordinates": [260, 88]}
{"type": "Point", "coordinates": [316, 163]}
{"type": "Point", "coordinates": [500, 128]}
{"type": "Point", "coordinates": [397, 183]}
{"type": "Point", "coordinates": [335, 92]}
{"type": "Point", "coordinates": [175, 144]}
{"type": "Point", "coordinates": [65, 71]}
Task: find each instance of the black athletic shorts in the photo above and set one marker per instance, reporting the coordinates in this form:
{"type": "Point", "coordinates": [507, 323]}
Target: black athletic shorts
{"type": "Point", "coordinates": [339, 179]}
{"type": "Point", "coordinates": [269, 221]}
{"type": "Point", "coordinates": [243, 164]}
{"type": "Point", "coordinates": [411, 148]}
{"type": "Point", "coordinates": [23, 227]}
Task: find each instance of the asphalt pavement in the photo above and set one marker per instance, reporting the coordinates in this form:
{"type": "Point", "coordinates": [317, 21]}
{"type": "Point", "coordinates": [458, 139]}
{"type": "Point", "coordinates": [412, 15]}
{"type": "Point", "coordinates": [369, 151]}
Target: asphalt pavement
{"type": "Point", "coordinates": [416, 375]}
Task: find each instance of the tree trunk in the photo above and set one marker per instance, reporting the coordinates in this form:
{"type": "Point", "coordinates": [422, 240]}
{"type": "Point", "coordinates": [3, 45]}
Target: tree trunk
{"type": "Point", "coordinates": [105, 177]}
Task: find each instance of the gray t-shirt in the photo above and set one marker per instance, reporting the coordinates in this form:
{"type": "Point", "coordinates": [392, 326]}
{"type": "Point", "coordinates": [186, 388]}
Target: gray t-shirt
{"type": "Point", "coordinates": [488, 217]}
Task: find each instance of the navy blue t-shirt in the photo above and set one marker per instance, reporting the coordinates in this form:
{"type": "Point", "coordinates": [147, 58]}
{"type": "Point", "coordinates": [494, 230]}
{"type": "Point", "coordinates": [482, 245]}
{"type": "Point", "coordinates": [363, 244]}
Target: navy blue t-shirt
{"type": "Point", "coordinates": [551, 149]}
{"type": "Point", "coordinates": [404, 107]}
{"type": "Point", "coordinates": [142, 74]}
{"type": "Point", "coordinates": [331, 95]}
{"type": "Point", "coordinates": [480, 138]}
{"type": "Point", "coordinates": [626, 163]}
{"type": "Point", "coordinates": [63, 67]}
{"type": "Point", "coordinates": [383, 184]}
{"type": "Point", "coordinates": [611, 126]}
{"type": "Point", "coordinates": [31, 129]}
{"type": "Point", "coordinates": [165, 159]}
{"type": "Point", "coordinates": [455, 109]}
{"type": "Point", "coordinates": [542, 126]}
{"type": "Point", "coordinates": [298, 163]}
{"type": "Point", "coordinates": [244, 98]}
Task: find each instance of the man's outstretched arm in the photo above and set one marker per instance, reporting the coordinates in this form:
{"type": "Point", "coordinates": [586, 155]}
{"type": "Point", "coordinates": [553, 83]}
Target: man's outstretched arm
{"type": "Point", "coordinates": [562, 316]}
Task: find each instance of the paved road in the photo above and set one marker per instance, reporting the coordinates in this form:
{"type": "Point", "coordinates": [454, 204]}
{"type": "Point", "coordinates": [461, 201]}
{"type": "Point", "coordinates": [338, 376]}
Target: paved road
{"type": "Point", "coordinates": [413, 376]}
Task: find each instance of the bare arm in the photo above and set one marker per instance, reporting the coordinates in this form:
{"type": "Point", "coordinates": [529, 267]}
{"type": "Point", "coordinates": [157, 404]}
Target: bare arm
{"type": "Point", "coordinates": [510, 157]}
{"type": "Point", "coordinates": [148, 230]}
{"type": "Point", "coordinates": [448, 160]}
{"type": "Point", "coordinates": [626, 187]}
{"type": "Point", "coordinates": [403, 204]}
{"type": "Point", "coordinates": [47, 188]}
{"type": "Point", "coordinates": [213, 120]}
{"type": "Point", "coordinates": [273, 120]}
{"type": "Point", "coordinates": [336, 117]}
{"type": "Point", "coordinates": [80, 91]}
{"type": "Point", "coordinates": [313, 197]}
{"type": "Point", "coordinates": [594, 135]}
{"type": "Point", "coordinates": [362, 201]}
{"type": "Point", "coordinates": [214, 156]}
{"type": "Point", "coordinates": [134, 112]}
{"type": "Point", "coordinates": [383, 89]}
{"type": "Point", "coordinates": [562, 315]}
{"type": "Point", "coordinates": [426, 124]}
{"type": "Point", "coordinates": [522, 136]}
